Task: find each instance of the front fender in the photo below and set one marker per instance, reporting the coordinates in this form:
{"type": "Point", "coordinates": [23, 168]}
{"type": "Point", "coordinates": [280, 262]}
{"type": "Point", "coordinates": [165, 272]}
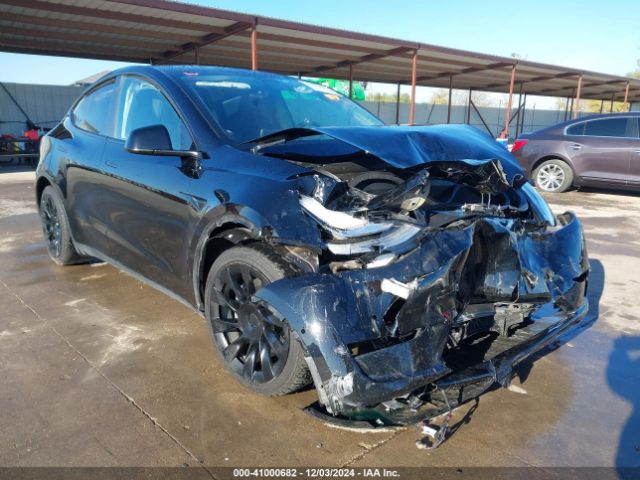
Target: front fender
{"type": "Point", "coordinates": [272, 227]}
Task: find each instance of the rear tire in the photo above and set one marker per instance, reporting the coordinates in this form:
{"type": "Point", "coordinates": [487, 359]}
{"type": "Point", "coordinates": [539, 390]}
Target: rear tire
{"type": "Point", "coordinates": [256, 347]}
{"type": "Point", "coordinates": [553, 176]}
{"type": "Point", "coordinates": [55, 226]}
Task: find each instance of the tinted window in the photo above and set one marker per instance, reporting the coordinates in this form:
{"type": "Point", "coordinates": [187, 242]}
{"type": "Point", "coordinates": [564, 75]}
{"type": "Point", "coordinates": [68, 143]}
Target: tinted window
{"type": "Point", "coordinates": [141, 105]}
{"type": "Point", "coordinates": [577, 129]}
{"type": "Point", "coordinates": [246, 106]}
{"type": "Point", "coordinates": [94, 112]}
{"type": "Point", "coordinates": [610, 127]}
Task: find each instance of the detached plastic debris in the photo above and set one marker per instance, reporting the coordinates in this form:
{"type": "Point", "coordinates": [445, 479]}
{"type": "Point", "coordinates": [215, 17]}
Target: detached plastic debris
{"type": "Point", "coordinates": [434, 435]}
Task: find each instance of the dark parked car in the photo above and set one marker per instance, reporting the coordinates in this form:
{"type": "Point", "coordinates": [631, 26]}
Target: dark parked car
{"type": "Point", "coordinates": [598, 150]}
{"type": "Point", "coordinates": [403, 270]}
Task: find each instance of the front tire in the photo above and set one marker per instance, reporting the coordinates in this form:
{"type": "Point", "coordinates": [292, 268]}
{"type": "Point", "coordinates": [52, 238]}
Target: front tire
{"type": "Point", "coordinates": [55, 226]}
{"type": "Point", "coordinates": [255, 345]}
{"type": "Point", "coordinates": [553, 176]}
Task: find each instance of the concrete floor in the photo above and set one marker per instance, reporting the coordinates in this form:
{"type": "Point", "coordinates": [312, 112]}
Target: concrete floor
{"type": "Point", "coordinates": [97, 369]}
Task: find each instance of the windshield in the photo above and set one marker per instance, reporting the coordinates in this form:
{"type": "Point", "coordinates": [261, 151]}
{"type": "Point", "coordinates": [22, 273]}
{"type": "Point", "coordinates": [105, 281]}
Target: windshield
{"type": "Point", "coordinates": [246, 106]}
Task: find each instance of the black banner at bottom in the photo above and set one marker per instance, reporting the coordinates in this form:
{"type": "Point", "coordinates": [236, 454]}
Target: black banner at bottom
{"type": "Point", "coordinates": [236, 473]}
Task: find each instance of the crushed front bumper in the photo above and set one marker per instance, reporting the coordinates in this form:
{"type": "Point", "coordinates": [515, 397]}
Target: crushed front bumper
{"type": "Point", "coordinates": [375, 356]}
{"type": "Point", "coordinates": [458, 387]}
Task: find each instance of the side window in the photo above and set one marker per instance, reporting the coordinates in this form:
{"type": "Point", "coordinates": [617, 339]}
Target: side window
{"type": "Point", "coordinates": [94, 112]}
{"type": "Point", "coordinates": [609, 127]}
{"type": "Point", "coordinates": [141, 105]}
{"type": "Point", "coordinates": [577, 129]}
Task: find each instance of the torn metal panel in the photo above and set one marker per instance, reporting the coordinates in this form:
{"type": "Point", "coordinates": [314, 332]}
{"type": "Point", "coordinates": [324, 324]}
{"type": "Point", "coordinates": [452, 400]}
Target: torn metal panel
{"type": "Point", "coordinates": [390, 346]}
{"type": "Point", "coordinates": [442, 261]}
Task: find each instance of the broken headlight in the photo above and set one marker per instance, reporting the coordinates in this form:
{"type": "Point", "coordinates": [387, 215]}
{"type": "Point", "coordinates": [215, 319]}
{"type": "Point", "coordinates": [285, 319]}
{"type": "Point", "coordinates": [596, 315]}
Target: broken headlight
{"type": "Point", "coordinates": [351, 234]}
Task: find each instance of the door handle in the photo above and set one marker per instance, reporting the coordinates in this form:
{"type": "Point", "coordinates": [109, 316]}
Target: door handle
{"type": "Point", "coordinates": [637, 150]}
{"type": "Point", "coordinates": [575, 146]}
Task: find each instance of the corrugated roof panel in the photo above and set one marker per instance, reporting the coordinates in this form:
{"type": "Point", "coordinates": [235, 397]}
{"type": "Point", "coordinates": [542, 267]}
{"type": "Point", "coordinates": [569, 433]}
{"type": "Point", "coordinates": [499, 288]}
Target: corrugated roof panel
{"type": "Point", "coordinates": [97, 36]}
{"type": "Point", "coordinates": [302, 36]}
{"type": "Point", "coordinates": [144, 30]}
{"type": "Point", "coordinates": [146, 11]}
{"type": "Point", "coordinates": [26, 14]}
{"type": "Point", "coordinates": [76, 43]}
{"type": "Point", "coordinates": [222, 57]}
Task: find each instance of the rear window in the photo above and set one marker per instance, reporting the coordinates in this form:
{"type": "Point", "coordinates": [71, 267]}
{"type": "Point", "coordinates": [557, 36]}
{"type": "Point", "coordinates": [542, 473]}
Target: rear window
{"type": "Point", "coordinates": [577, 129]}
{"type": "Point", "coordinates": [610, 127]}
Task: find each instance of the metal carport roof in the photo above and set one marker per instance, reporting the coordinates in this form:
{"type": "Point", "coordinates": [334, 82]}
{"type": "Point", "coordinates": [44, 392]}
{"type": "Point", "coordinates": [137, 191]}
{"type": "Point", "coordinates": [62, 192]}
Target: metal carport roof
{"type": "Point", "coordinates": [161, 31]}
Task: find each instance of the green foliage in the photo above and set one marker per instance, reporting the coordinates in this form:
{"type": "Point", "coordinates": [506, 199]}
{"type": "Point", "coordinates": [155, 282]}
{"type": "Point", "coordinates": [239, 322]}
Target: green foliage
{"type": "Point", "coordinates": [593, 106]}
{"type": "Point", "coordinates": [388, 97]}
{"type": "Point", "coordinates": [636, 72]}
{"type": "Point", "coordinates": [440, 97]}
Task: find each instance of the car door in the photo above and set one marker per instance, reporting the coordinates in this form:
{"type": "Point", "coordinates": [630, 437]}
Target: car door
{"type": "Point", "coordinates": [151, 211]}
{"type": "Point", "coordinates": [601, 151]}
{"type": "Point", "coordinates": [634, 163]}
{"type": "Point", "coordinates": [80, 157]}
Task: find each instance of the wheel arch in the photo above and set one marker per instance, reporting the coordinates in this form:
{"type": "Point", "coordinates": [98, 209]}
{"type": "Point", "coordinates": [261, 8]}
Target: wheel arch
{"type": "Point", "coordinates": [228, 225]}
{"type": "Point", "coordinates": [44, 181]}
{"type": "Point", "coordinates": [41, 184]}
{"type": "Point", "coordinates": [217, 238]}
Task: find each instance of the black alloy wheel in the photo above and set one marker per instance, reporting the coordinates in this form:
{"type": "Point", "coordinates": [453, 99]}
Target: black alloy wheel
{"type": "Point", "coordinates": [255, 344]}
{"type": "Point", "coordinates": [55, 227]}
{"type": "Point", "coordinates": [51, 226]}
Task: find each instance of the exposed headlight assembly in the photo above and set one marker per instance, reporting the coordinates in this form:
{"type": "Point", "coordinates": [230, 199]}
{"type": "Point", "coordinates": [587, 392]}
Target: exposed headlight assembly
{"type": "Point", "coordinates": [348, 230]}
{"type": "Point", "coordinates": [341, 224]}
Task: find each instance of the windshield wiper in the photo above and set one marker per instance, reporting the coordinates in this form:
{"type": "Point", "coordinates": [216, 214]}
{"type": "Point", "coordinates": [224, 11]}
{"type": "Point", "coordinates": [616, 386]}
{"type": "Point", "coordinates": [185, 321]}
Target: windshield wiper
{"type": "Point", "coordinates": [281, 136]}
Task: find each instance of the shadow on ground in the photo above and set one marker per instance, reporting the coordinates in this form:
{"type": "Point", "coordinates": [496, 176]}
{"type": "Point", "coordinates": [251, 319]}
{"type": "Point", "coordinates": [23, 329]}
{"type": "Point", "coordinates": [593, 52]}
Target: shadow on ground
{"type": "Point", "coordinates": [624, 379]}
{"type": "Point", "coordinates": [610, 191]}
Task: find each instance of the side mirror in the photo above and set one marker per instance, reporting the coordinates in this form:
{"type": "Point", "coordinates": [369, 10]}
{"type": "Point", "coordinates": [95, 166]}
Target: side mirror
{"type": "Point", "coordinates": [155, 140]}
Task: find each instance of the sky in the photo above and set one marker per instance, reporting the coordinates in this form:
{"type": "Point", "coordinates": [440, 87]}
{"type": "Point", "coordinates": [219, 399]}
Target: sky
{"type": "Point", "coordinates": [603, 36]}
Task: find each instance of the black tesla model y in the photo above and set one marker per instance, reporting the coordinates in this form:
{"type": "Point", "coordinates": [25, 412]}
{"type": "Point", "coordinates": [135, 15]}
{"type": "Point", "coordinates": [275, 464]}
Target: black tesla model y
{"type": "Point", "coordinates": [402, 270]}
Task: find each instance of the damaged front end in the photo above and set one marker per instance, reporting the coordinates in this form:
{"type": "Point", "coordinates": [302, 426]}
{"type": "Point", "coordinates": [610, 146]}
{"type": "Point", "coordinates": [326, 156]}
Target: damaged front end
{"type": "Point", "coordinates": [439, 276]}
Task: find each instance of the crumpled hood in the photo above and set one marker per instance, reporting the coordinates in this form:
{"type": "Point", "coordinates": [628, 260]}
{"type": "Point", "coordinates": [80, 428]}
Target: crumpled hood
{"type": "Point", "coordinates": [405, 146]}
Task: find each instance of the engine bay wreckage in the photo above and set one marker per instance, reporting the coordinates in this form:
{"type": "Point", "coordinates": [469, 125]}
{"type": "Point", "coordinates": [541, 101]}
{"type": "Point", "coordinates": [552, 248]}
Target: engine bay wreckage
{"type": "Point", "coordinates": [436, 267]}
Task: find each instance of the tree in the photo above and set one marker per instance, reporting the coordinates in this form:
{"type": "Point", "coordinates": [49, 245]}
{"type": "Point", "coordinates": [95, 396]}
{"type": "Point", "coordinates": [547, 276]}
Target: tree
{"type": "Point", "coordinates": [440, 97]}
{"type": "Point", "coordinates": [461, 97]}
{"type": "Point", "coordinates": [595, 106]}
{"type": "Point", "coordinates": [636, 72]}
{"type": "Point", "coordinates": [517, 56]}
{"type": "Point", "coordinates": [388, 97]}
{"type": "Point", "coordinates": [483, 99]}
